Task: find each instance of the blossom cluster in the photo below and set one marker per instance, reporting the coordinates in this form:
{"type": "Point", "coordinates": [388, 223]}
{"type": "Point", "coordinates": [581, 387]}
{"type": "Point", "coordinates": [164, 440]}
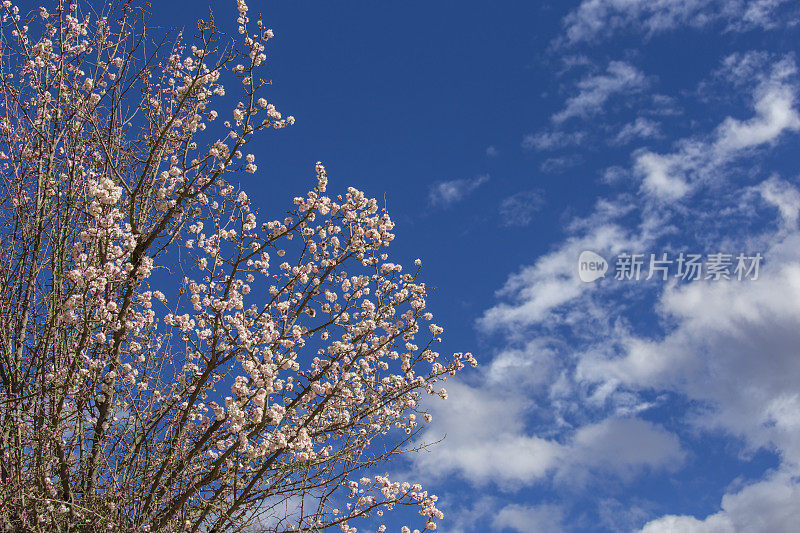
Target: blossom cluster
{"type": "Point", "coordinates": [178, 360]}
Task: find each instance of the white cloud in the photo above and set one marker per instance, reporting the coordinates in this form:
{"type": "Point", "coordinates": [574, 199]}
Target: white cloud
{"type": "Point", "coordinates": [486, 441]}
{"type": "Point", "coordinates": [669, 177]}
{"type": "Point", "coordinates": [641, 128]}
{"type": "Point", "coordinates": [492, 151]}
{"type": "Point", "coordinates": [518, 209]}
{"type": "Point", "coordinates": [445, 193]}
{"type": "Point", "coordinates": [616, 175]}
{"type": "Point", "coordinates": [769, 506]}
{"type": "Point", "coordinates": [595, 90]}
{"type": "Point", "coordinates": [601, 18]}
{"type": "Point", "coordinates": [556, 165]}
{"type": "Point", "coordinates": [551, 140]}
{"type": "Point", "coordinates": [728, 348]}
{"type": "Point", "coordinates": [761, 13]}
{"type": "Point", "coordinates": [621, 446]}
{"type": "Point", "coordinates": [595, 19]}
{"type": "Point", "coordinates": [660, 179]}
{"type": "Point", "coordinates": [534, 365]}
{"type": "Point", "coordinates": [461, 516]}
{"type": "Point", "coordinates": [733, 347]}
{"type": "Point", "coordinates": [733, 351]}
{"type": "Point", "coordinates": [530, 519]}
{"type": "Point", "coordinates": [552, 281]}
{"type": "Point", "coordinates": [785, 197]}
{"type": "Point", "coordinates": [741, 68]}
{"type": "Point", "coordinates": [665, 105]}
{"type": "Point", "coordinates": [717, 523]}
{"type": "Point", "coordinates": [774, 115]}
{"type": "Point", "coordinates": [752, 68]}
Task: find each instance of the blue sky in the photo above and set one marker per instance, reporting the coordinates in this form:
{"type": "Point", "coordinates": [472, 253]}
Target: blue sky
{"type": "Point", "coordinates": [507, 138]}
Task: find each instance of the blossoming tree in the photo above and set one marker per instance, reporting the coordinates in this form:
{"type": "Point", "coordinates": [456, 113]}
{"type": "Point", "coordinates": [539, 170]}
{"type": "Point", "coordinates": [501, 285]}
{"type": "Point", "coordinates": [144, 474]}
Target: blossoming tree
{"type": "Point", "coordinates": [169, 361]}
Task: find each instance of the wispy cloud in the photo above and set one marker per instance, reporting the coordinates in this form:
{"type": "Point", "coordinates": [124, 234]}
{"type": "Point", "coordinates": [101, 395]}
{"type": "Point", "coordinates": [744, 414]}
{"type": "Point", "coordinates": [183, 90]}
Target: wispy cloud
{"type": "Point", "coordinates": [641, 128]}
{"type": "Point", "coordinates": [595, 19]}
{"type": "Point", "coordinates": [725, 346]}
{"type": "Point", "coordinates": [595, 90]}
{"type": "Point", "coordinates": [555, 165]}
{"type": "Point", "coordinates": [775, 114]}
{"type": "Point", "coordinates": [492, 151]}
{"type": "Point", "coordinates": [785, 197]}
{"type": "Point", "coordinates": [551, 140]}
{"type": "Point", "coordinates": [446, 193]}
{"type": "Point", "coordinates": [534, 293]}
{"type": "Point", "coordinates": [670, 176]}
{"type": "Point", "coordinates": [741, 68]}
{"type": "Point", "coordinates": [518, 209]}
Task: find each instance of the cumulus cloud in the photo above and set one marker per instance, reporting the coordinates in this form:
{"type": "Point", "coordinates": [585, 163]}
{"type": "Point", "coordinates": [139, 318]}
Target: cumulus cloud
{"type": "Point", "coordinates": [487, 442]}
{"type": "Point", "coordinates": [728, 348]}
{"type": "Point", "coordinates": [446, 193]}
{"type": "Point", "coordinates": [769, 506]}
{"type": "Point", "coordinates": [485, 439]}
{"type": "Point", "coordinates": [729, 337]}
{"type": "Point", "coordinates": [530, 518]}
{"type": "Point", "coordinates": [595, 90]}
{"type": "Point", "coordinates": [622, 446]}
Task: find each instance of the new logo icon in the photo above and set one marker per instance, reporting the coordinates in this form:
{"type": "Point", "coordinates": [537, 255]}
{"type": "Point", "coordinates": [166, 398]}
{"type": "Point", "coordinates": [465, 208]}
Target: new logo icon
{"type": "Point", "coordinates": [591, 266]}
